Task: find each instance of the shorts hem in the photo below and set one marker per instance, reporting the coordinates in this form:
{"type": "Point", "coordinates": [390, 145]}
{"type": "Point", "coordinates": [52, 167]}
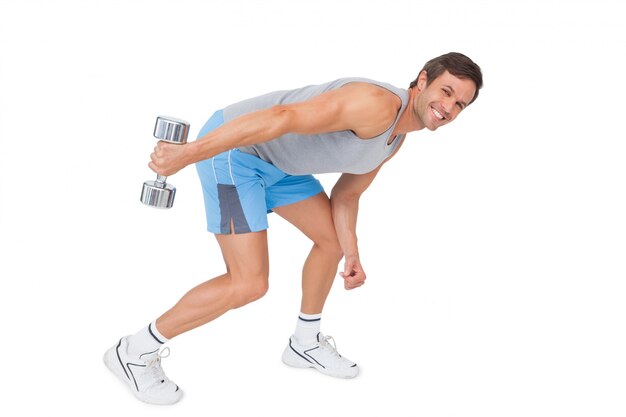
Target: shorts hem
{"type": "Point", "coordinates": [299, 198]}
{"type": "Point", "coordinates": [218, 230]}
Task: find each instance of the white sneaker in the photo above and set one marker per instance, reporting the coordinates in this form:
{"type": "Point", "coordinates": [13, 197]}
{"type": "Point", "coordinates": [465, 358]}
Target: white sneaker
{"type": "Point", "coordinates": [143, 374]}
{"type": "Point", "coordinates": [321, 355]}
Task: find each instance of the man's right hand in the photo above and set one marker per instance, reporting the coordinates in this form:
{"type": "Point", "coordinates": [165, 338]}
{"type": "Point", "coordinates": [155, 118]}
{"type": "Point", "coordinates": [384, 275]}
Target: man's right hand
{"type": "Point", "coordinates": [167, 158]}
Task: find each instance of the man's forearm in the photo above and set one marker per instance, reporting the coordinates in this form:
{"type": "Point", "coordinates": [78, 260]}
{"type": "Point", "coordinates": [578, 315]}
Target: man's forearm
{"type": "Point", "coordinates": [345, 211]}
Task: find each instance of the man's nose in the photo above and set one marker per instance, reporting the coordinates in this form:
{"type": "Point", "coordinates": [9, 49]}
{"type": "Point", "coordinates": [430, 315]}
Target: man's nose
{"type": "Point", "coordinates": [448, 106]}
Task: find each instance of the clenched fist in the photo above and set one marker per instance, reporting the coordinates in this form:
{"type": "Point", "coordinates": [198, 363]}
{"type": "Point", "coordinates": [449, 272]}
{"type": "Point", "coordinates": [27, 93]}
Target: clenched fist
{"type": "Point", "coordinates": [353, 273]}
{"type": "Point", "coordinates": [167, 158]}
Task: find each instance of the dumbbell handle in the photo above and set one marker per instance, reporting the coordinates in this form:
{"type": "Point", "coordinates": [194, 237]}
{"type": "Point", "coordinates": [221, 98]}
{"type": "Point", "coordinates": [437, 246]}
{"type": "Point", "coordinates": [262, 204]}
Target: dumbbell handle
{"type": "Point", "coordinates": [160, 181]}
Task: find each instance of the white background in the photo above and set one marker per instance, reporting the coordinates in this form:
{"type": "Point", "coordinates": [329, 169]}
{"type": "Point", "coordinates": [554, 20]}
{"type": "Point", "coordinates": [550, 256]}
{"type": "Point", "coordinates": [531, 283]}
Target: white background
{"type": "Point", "coordinates": [494, 247]}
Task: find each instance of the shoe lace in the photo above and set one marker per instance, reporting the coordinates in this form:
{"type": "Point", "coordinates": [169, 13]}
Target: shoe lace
{"type": "Point", "coordinates": [153, 365]}
{"type": "Point", "coordinates": [329, 343]}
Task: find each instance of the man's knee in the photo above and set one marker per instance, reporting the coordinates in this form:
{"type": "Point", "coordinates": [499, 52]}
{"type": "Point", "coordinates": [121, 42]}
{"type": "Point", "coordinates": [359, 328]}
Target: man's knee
{"type": "Point", "coordinates": [330, 246]}
{"type": "Point", "coordinates": [250, 289]}
{"type": "Point", "coordinates": [256, 289]}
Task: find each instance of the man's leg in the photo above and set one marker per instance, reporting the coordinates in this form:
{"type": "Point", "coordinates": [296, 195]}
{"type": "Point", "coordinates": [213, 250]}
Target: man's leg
{"type": "Point", "coordinates": [246, 280]}
{"type": "Point", "coordinates": [136, 359]}
{"type": "Point", "coordinates": [313, 217]}
{"type": "Point", "coordinates": [308, 348]}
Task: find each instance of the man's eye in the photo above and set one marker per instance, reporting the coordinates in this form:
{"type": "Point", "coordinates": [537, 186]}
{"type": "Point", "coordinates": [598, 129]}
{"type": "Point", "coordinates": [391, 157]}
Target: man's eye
{"type": "Point", "coordinates": [446, 92]}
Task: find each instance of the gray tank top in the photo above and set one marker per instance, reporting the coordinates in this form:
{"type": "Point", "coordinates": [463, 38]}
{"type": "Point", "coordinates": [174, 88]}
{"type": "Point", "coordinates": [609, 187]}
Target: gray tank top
{"type": "Point", "coordinates": [299, 154]}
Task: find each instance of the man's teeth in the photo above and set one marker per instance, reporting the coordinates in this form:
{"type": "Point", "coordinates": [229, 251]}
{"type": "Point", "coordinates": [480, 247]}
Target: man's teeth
{"type": "Point", "coordinates": [439, 115]}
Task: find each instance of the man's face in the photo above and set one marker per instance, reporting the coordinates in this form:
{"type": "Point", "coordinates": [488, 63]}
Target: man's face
{"type": "Point", "coordinates": [442, 101]}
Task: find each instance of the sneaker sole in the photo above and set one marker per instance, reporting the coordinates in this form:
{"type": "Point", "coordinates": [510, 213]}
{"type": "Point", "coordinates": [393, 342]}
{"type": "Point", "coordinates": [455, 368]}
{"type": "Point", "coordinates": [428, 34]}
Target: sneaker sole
{"type": "Point", "coordinates": [293, 359]}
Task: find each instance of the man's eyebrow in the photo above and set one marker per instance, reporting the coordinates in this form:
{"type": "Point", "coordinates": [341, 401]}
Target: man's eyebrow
{"type": "Point", "coordinates": [453, 92]}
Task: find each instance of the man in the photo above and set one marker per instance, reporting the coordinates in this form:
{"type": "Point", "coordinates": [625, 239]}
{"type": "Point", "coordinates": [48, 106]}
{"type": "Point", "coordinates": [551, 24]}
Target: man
{"type": "Point", "coordinates": [257, 156]}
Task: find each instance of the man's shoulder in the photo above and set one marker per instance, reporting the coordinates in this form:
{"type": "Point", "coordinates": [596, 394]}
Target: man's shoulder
{"type": "Point", "coordinates": [366, 81]}
{"type": "Point", "coordinates": [374, 88]}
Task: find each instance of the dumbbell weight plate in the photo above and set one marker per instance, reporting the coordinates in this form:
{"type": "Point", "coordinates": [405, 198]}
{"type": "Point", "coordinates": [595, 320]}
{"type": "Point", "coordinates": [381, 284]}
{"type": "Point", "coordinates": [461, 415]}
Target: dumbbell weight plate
{"type": "Point", "coordinates": [170, 129]}
{"type": "Point", "coordinates": [157, 194]}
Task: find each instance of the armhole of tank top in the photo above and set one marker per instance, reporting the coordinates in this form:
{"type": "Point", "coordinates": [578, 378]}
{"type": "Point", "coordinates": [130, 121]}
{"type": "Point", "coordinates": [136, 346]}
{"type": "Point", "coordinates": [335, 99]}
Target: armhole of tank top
{"type": "Point", "coordinates": [395, 146]}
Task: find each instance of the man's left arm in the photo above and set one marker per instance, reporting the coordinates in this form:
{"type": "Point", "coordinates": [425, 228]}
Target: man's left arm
{"type": "Point", "coordinates": [344, 200]}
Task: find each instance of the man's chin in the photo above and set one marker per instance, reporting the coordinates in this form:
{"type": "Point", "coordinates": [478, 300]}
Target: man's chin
{"type": "Point", "coordinates": [434, 126]}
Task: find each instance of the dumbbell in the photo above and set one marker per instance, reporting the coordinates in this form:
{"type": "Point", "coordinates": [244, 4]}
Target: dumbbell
{"type": "Point", "coordinates": [158, 193]}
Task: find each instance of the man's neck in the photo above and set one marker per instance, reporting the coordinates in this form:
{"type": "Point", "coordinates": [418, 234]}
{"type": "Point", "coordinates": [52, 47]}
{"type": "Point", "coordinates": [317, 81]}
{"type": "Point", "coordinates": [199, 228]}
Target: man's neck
{"type": "Point", "coordinates": [408, 121]}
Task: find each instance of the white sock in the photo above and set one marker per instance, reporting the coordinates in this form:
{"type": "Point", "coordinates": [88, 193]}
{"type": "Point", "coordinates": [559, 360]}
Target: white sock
{"type": "Point", "coordinates": [146, 340]}
{"type": "Point", "coordinates": [307, 328]}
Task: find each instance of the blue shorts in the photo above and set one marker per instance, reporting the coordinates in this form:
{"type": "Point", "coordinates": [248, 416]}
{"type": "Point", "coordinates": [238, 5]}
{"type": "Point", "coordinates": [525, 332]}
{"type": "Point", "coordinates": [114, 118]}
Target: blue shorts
{"type": "Point", "coordinates": [243, 188]}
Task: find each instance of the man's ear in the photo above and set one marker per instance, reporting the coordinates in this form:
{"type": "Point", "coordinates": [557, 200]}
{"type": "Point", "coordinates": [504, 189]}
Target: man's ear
{"type": "Point", "coordinates": [422, 80]}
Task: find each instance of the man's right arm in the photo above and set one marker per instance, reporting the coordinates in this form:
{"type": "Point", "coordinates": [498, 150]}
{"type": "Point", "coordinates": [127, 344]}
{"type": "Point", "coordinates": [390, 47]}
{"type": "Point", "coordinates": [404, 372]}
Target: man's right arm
{"type": "Point", "coordinates": [357, 108]}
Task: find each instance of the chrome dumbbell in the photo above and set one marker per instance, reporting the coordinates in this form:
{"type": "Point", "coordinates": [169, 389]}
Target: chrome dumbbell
{"type": "Point", "coordinates": [158, 193]}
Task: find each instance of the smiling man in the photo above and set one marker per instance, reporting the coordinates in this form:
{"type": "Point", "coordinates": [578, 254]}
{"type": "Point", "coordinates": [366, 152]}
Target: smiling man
{"type": "Point", "coordinates": [258, 156]}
